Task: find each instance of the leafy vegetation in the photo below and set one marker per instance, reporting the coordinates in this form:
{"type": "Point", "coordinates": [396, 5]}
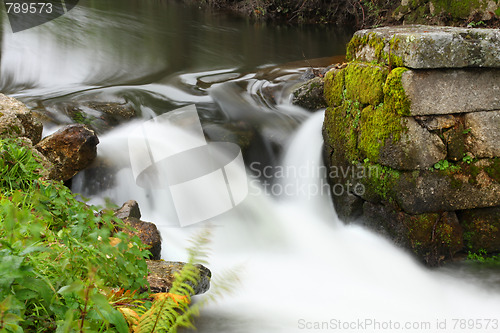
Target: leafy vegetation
{"type": "Point", "coordinates": [65, 268]}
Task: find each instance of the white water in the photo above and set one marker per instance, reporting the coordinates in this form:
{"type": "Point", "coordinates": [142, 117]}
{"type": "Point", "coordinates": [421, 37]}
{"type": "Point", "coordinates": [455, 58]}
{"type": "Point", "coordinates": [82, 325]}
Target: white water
{"type": "Point", "coordinates": [302, 267]}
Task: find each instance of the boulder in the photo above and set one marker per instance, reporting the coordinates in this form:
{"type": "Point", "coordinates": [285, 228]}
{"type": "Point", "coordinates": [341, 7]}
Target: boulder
{"type": "Point", "coordinates": [483, 140]}
{"type": "Point", "coordinates": [148, 233]}
{"type": "Point", "coordinates": [310, 95]}
{"type": "Point", "coordinates": [70, 149]}
{"type": "Point", "coordinates": [128, 209]}
{"type": "Point", "coordinates": [16, 120]}
{"type": "Point", "coordinates": [425, 47]}
{"type": "Point", "coordinates": [435, 92]}
{"type": "Point", "coordinates": [161, 276]}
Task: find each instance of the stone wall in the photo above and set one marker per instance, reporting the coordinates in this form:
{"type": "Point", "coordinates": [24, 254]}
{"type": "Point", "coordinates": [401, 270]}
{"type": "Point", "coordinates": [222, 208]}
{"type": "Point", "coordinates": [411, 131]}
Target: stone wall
{"type": "Point", "coordinates": [413, 131]}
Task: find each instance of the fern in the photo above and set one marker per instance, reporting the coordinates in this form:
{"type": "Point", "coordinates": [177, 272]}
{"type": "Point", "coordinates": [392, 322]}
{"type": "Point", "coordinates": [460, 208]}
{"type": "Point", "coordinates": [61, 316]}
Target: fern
{"type": "Point", "coordinates": [172, 310]}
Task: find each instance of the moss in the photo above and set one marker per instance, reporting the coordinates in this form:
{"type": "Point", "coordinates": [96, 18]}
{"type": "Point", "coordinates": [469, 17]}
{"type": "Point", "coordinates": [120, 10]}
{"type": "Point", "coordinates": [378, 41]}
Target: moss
{"type": "Point", "coordinates": [493, 170]}
{"type": "Point", "coordinates": [341, 131]}
{"type": "Point", "coordinates": [365, 82]}
{"type": "Point", "coordinates": [334, 87]}
{"type": "Point", "coordinates": [380, 181]}
{"type": "Point", "coordinates": [457, 9]}
{"type": "Point", "coordinates": [395, 97]}
{"type": "Point", "coordinates": [383, 51]}
{"type": "Point", "coordinates": [481, 229]}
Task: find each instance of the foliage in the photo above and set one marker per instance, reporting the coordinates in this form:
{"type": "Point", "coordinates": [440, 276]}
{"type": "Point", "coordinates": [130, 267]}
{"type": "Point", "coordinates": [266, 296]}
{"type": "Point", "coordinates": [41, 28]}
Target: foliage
{"type": "Point", "coordinates": [483, 257]}
{"type": "Point", "coordinates": [64, 267]}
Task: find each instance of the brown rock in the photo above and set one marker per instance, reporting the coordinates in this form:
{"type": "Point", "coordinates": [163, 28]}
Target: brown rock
{"type": "Point", "coordinates": [148, 233]}
{"type": "Point", "coordinates": [129, 209]}
{"type": "Point", "coordinates": [71, 149]}
{"type": "Point", "coordinates": [484, 137]}
{"type": "Point", "coordinates": [161, 276]}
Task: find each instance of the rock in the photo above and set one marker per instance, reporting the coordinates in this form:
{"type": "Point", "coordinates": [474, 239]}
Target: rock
{"type": "Point", "coordinates": [128, 209]}
{"type": "Point", "coordinates": [70, 149]}
{"type": "Point", "coordinates": [421, 47]}
{"type": "Point", "coordinates": [417, 148]}
{"type": "Point", "coordinates": [435, 191]}
{"type": "Point", "coordinates": [436, 123]}
{"type": "Point", "coordinates": [349, 207]}
{"type": "Point", "coordinates": [161, 276]}
{"type": "Point", "coordinates": [452, 91]}
{"type": "Point", "coordinates": [310, 95]}
{"type": "Point", "coordinates": [16, 120]}
{"type": "Point", "coordinates": [483, 141]}
{"type": "Point", "coordinates": [482, 229]}
{"type": "Point", "coordinates": [148, 233]}
{"type": "Point", "coordinates": [432, 237]}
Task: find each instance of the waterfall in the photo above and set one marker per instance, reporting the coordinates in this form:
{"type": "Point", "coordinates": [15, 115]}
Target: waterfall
{"type": "Point", "coordinates": [301, 266]}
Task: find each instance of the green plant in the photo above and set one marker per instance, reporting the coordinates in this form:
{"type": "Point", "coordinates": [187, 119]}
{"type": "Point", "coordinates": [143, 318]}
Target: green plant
{"type": "Point", "coordinates": [483, 257]}
{"type": "Point", "coordinates": [442, 165]}
{"type": "Point", "coordinates": [467, 159]}
{"type": "Point", "coordinates": [61, 261]}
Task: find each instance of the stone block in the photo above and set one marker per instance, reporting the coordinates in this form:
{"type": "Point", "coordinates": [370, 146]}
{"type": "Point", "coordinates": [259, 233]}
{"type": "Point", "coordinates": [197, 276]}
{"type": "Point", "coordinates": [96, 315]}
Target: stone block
{"type": "Point", "coordinates": [426, 47]}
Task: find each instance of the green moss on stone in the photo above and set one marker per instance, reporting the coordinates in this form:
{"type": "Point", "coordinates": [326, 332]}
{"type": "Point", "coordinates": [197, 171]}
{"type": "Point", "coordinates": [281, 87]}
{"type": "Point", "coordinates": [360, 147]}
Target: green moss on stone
{"type": "Point", "coordinates": [334, 87]}
{"type": "Point", "coordinates": [395, 97]}
{"type": "Point", "coordinates": [382, 53]}
{"type": "Point", "coordinates": [365, 82]}
{"type": "Point", "coordinates": [380, 181]}
{"type": "Point", "coordinates": [457, 9]}
{"type": "Point", "coordinates": [385, 121]}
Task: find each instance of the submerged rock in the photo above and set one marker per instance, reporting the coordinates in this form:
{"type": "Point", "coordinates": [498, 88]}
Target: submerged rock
{"type": "Point", "coordinates": [70, 150]}
{"type": "Point", "coordinates": [310, 95]}
{"type": "Point", "coordinates": [16, 120]}
{"type": "Point", "coordinates": [161, 276]}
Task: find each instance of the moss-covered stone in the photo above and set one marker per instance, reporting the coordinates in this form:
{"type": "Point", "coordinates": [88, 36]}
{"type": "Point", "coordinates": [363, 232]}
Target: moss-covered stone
{"type": "Point", "coordinates": [365, 82]}
{"type": "Point", "coordinates": [384, 121]}
{"type": "Point", "coordinates": [334, 87]}
{"type": "Point", "coordinates": [379, 51]}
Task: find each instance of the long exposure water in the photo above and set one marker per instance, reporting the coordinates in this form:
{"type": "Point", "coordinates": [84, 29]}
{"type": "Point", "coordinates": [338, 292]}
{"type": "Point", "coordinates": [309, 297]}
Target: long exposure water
{"type": "Point", "coordinates": [301, 269]}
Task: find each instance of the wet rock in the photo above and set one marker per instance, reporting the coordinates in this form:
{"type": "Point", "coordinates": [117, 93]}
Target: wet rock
{"type": "Point", "coordinates": [310, 95]}
{"type": "Point", "coordinates": [420, 47]}
{"type": "Point", "coordinates": [16, 120]}
{"type": "Point", "coordinates": [70, 149]}
{"type": "Point", "coordinates": [484, 138]}
{"type": "Point", "coordinates": [432, 237]}
{"type": "Point", "coordinates": [100, 116]}
{"type": "Point", "coordinates": [148, 233]}
{"type": "Point", "coordinates": [128, 209]}
{"type": "Point", "coordinates": [482, 228]}
{"type": "Point", "coordinates": [452, 91]}
{"type": "Point", "coordinates": [161, 276]}
{"type": "Point", "coordinates": [417, 148]}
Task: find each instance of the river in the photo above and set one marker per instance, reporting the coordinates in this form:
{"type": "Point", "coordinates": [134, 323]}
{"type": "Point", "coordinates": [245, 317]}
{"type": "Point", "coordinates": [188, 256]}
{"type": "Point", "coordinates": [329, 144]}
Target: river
{"type": "Point", "coordinates": [301, 269]}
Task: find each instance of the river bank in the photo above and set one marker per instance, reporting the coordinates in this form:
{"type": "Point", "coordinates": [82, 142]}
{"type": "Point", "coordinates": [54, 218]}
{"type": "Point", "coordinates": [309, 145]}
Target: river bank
{"type": "Point", "coordinates": [361, 14]}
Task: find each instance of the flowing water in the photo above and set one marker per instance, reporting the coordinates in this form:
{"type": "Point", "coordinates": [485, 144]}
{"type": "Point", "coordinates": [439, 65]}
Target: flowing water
{"type": "Point", "coordinates": [301, 269]}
